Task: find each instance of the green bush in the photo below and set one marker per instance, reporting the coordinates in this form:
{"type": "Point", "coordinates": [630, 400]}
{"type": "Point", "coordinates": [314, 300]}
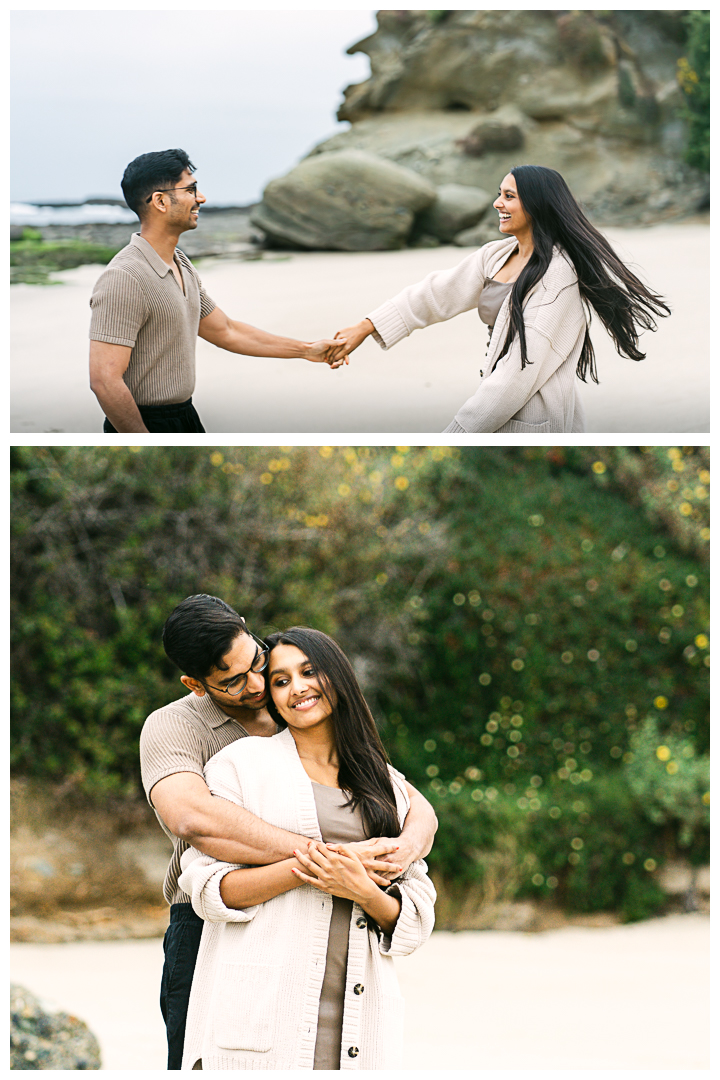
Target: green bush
{"type": "Point", "coordinates": [515, 616]}
{"type": "Point", "coordinates": [694, 78]}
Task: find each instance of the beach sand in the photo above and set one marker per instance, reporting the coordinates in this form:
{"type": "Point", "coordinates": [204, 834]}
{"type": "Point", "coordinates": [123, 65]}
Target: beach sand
{"type": "Point", "coordinates": [611, 998]}
{"type": "Point", "coordinates": [414, 388]}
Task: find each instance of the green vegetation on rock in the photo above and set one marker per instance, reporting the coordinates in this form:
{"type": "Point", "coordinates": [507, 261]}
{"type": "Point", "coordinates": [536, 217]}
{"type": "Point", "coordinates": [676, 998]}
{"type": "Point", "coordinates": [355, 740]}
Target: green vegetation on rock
{"type": "Point", "coordinates": [33, 259]}
{"type": "Point", "coordinates": [694, 77]}
{"type": "Point", "coordinates": [530, 626]}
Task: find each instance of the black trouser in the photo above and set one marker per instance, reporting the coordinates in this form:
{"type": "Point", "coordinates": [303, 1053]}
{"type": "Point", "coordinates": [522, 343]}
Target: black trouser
{"type": "Point", "coordinates": [167, 418]}
{"type": "Point", "coordinates": [180, 945]}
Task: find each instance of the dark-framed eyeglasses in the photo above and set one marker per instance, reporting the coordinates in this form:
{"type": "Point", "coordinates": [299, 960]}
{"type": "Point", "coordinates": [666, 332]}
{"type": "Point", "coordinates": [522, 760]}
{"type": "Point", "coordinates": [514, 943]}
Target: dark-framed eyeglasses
{"type": "Point", "coordinates": [192, 188]}
{"type": "Point", "coordinates": [238, 684]}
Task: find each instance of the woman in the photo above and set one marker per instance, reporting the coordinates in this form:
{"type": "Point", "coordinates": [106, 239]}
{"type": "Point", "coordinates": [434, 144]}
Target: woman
{"type": "Point", "coordinates": [286, 977]}
{"type": "Point", "coordinates": [534, 289]}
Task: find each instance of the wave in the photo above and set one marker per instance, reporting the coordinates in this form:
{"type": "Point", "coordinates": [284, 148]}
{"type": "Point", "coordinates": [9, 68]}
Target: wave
{"type": "Point", "coordinates": [31, 214]}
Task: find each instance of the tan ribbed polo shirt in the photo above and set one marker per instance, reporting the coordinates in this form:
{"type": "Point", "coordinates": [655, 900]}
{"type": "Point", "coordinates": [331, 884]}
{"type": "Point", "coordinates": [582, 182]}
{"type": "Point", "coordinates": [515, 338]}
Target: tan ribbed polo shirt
{"type": "Point", "coordinates": [137, 302]}
{"type": "Point", "coordinates": [182, 737]}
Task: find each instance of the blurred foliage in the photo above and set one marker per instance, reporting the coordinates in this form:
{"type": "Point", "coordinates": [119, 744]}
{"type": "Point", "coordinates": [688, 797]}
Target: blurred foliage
{"type": "Point", "coordinates": [672, 782]}
{"type": "Point", "coordinates": [33, 259]}
{"type": "Point", "coordinates": [526, 622]}
{"type": "Point", "coordinates": [693, 74]}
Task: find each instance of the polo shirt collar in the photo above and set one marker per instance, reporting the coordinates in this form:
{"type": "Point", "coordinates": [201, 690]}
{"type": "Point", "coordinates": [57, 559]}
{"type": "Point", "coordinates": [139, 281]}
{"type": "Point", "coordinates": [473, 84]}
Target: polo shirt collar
{"type": "Point", "coordinates": [160, 267]}
{"type": "Point", "coordinates": [210, 712]}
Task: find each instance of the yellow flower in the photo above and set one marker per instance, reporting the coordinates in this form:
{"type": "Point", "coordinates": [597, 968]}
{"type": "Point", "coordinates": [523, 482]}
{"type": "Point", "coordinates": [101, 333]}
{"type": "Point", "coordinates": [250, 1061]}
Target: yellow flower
{"type": "Point", "coordinates": [663, 753]}
{"type": "Point", "coordinates": [660, 702]}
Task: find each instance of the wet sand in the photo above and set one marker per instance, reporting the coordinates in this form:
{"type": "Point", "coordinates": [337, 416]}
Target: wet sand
{"type": "Point", "coordinates": [414, 388]}
{"type": "Point", "coordinates": [612, 998]}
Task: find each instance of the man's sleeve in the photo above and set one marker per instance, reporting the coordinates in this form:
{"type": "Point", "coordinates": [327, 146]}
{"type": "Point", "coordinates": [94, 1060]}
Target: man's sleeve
{"type": "Point", "coordinates": [207, 305]}
{"type": "Point", "coordinates": [118, 308]}
{"type": "Point", "coordinates": [168, 744]}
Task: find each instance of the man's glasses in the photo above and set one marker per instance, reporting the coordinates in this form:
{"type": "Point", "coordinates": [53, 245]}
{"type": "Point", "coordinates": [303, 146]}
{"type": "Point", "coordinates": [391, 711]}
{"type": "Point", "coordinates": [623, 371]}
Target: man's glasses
{"type": "Point", "coordinates": [238, 684]}
{"type": "Point", "coordinates": [192, 188]}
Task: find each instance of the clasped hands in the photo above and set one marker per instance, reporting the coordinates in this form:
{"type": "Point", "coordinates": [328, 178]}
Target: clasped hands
{"type": "Point", "coordinates": [349, 870]}
{"type": "Point", "coordinates": [336, 352]}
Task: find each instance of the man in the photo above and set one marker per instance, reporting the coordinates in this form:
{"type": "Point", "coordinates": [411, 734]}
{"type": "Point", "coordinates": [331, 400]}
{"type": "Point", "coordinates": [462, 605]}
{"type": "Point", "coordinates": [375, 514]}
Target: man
{"type": "Point", "coordinates": [223, 666]}
{"type": "Point", "coordinates": [149, 306]}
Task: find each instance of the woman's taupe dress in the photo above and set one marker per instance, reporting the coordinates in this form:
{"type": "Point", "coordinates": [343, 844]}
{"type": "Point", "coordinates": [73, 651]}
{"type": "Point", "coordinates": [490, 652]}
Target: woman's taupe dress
{"type": "Point", "coordinates": [491, 300]}
{"type": "Point", "coordinates": [338, 824]}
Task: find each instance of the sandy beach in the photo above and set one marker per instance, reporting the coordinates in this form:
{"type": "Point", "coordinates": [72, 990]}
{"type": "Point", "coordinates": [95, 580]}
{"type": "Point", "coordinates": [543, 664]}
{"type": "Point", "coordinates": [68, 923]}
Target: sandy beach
{"type": "Point", "coordinates": [611, 998]}
{"type": "Point", "coordinates": [415, 388]}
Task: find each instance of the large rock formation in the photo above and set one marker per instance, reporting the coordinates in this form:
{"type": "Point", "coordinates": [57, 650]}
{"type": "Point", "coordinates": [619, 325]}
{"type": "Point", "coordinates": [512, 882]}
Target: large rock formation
{"type": "Point", "coordinates": [43, 1037]}
{"type": "Point", "coordinates": [459, 97]}
{"type": "Point", "coordinates": [346, 201]}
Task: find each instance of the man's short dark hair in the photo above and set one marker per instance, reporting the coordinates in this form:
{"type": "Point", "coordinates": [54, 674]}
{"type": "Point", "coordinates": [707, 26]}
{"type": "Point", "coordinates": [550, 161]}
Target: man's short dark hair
{"type": "Point", "coordinates": [199, 632]}
{"type": "Point", "coordinates": [153, 172]}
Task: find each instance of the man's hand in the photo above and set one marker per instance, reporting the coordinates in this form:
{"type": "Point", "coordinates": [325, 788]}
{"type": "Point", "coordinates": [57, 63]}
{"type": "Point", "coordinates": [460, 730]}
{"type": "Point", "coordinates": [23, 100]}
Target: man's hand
{"type": "Point", "coordinates": [108, 364]}
{"type": "Point", "coordinates": [346, 341]}
{"type": "Point", "coordinates": [371, 854]}
{"type": "Point", "coordinates": [336, 870]}
{"type": "Point", "coordinates": [320, 352]}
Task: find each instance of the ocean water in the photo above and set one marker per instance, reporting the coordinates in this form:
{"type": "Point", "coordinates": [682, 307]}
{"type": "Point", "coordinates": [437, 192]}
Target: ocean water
{"type": "Point", "coordinates": [31, 214]}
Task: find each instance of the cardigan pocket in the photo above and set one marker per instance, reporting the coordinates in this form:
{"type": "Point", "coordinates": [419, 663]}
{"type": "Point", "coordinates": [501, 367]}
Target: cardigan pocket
{"type": "Point", "coordinates": [244, 1007]}
{"type": "Point", "coordinates": [522, 427]}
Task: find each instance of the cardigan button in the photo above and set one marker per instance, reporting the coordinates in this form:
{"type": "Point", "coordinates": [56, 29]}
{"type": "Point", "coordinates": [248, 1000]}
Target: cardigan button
{"type": "Point", "coordinates": [358, 988]}
{"type": "Point", "coordinates": [361, 922]}
{"type": "Point", "coordinates": [353, 1051]}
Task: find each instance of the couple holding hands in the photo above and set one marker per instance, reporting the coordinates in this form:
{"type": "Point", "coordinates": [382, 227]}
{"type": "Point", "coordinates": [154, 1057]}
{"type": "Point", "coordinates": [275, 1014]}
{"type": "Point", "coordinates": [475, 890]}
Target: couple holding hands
{"type": "Point", "coordinates": [534, 288]}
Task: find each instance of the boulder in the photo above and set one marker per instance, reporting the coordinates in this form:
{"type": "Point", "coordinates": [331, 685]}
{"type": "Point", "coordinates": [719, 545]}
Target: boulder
{"type": "Point", "coordinates": [493, 133]}
{"type": "Point", "coordinates": [343, 201]}
{"type": "Point", "coordinates": [44, 1037]}
{"type": "Point", "coordinates": [457, 207]}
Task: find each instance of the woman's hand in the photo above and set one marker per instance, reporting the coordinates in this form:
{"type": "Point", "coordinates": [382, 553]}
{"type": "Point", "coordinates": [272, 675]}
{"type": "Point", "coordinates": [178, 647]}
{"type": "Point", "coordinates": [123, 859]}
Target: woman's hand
{"type": "Point", "coordinates": [338, 871]}
{"type": "Point", "coordinates": [323, 351]}
{"type": "Point", "coordinates": [348, 340]}
{"type": "Point", "coordinates": [380, 857]}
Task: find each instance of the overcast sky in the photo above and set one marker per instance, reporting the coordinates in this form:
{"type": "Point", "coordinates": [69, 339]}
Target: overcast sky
{"type": "Point", "coordinates": [245, 93]}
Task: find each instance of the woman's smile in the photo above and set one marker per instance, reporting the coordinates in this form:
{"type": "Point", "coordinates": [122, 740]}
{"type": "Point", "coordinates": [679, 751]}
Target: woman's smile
{"type": "Point", "coordinates": [306, 703]}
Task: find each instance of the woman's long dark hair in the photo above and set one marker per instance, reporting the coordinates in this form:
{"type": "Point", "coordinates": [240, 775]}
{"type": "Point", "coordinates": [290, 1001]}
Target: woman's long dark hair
{"type": "Point", "coordinates": [620, 299]}
{"type": "Point", "coordinates": [363, 762]}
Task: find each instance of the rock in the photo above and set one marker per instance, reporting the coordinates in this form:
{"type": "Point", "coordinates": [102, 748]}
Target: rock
{"type": "Point", "coordinates": [492, 134]}
{"type": "Point", "coordinates": [591, 94]}
{"type": "Point", "coordinates": [44, 1037]}
{"type": "Point", "coordinates": [457, 207]}
{"type": "Point", "coordinates": [343, 201]}
{"type": "Point", "coordinates": [480, 234]}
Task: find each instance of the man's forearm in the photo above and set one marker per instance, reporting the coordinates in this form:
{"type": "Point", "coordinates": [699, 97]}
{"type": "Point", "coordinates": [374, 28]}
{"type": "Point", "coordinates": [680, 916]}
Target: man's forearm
{"type": "Point", "coordinates": [251, 341]}
{"type": "Point", "coordinates": [418, 832]}
{"type": "Point", "coordinates": [119, 406]}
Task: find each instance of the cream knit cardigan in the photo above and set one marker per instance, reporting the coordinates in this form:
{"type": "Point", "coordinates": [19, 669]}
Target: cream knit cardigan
{"type": "Point", "coordinates": [256, 989]}
{"type": "Point", "coordinates": [537, 399]}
